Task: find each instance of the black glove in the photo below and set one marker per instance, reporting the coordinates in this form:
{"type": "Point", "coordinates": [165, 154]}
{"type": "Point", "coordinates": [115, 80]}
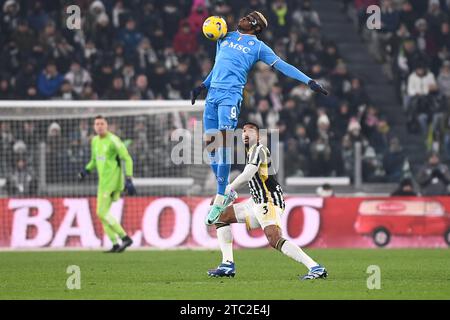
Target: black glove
{"type": "Point", "coordinates": [129, 186]}
{"type": "Point", "coordinates": [316, 87]}
{"type": "Point", "coordinates": [82, 174]}
{"type": "Point", "coordinates": [196, 92]}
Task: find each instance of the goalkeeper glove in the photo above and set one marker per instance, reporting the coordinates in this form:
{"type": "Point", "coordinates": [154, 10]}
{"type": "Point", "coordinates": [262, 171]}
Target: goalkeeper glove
{"type": "Point", "coordinates": [316, 87]}
{"type": "Point", "coordinates": [129, 186]}
{"type": "Point", "coordinates": [196, 92]}
{"type": "Point", "coordinates": [82, 174]}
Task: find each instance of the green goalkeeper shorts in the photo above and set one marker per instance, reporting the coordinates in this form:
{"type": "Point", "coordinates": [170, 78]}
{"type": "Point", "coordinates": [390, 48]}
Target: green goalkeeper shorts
{"type": "Point", "coordinates": [104, 201]}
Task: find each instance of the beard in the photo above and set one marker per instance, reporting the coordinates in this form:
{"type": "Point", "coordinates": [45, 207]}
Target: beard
{"type": "Point", "coordinates": [244, 26]}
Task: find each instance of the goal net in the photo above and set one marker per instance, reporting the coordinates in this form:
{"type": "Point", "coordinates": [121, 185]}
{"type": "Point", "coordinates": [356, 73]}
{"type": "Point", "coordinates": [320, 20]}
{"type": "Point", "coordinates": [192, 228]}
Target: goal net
{"type": "Point", "coordinates": [44, 144]}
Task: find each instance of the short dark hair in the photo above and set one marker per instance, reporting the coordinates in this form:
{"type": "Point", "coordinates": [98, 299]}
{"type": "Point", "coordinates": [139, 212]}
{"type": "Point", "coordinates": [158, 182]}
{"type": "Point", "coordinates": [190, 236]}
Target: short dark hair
{"type": "Point", "coordinates": [100, 117]}
{"type": "Point", "coordinates": [249, 123]}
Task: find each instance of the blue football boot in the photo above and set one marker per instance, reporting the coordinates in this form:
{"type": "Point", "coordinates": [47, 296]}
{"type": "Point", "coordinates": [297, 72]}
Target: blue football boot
{"type": "Point", "coordinates": [316, 272]}
{"type": "Point", "coordinates": [226, 269]}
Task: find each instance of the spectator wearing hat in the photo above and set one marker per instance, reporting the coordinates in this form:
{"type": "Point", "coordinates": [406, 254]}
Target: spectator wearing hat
{"type": "Point", "coordinates": [325, 191]}
{"type": "Point", "coordinates": [405, 188]}
{"type": "Point", "coordinates": [21, 181]}
{"type": "Point", "coordinates": [10, 17]}
{"type": "Point", "coordinates": [55, 145]}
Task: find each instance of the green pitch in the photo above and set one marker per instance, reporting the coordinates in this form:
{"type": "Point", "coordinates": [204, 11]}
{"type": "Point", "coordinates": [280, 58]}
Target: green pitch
{"type": "Point", "coordinates": [261, 274]}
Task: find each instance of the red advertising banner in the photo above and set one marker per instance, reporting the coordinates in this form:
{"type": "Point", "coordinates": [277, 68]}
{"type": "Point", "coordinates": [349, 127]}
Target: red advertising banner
{"type": "Point", "coordinates": [171, 222]}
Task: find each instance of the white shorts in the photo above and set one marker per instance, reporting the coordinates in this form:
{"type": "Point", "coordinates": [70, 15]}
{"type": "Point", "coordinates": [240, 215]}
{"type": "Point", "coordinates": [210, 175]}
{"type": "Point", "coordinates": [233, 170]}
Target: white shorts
{"type": "Point", "coordinates": [257, 215]}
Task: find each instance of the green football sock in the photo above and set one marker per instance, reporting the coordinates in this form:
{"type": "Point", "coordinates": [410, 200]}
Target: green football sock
{"type": "Point", "coordinates": [114, 225]}
{"type": "Point", "coordinates": [110, 233]}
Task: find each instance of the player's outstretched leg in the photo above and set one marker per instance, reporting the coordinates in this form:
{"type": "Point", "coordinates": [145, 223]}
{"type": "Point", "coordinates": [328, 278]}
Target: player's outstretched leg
{"type": "Point", "coordinates": [293, 251]}
{"type": "Point", "coordinates": [223, 155]}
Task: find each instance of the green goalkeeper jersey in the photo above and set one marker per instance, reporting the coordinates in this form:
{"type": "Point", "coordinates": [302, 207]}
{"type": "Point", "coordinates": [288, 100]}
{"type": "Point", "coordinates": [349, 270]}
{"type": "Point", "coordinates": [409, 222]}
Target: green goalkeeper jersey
{"type": "Point", "coordinates": [106, 156]}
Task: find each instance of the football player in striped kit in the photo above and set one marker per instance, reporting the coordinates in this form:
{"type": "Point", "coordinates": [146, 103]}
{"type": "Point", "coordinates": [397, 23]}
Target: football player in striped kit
{"type": "Point", "coordinates": [262, 210]}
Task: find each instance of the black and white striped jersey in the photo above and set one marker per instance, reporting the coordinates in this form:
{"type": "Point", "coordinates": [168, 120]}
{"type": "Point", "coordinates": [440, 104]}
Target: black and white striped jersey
{"type": "Point", "coordinates": [264, 187]}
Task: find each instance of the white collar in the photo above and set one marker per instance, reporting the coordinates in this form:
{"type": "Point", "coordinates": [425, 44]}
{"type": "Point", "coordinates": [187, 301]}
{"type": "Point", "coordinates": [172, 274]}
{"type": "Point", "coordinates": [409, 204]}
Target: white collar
{"type": "Point", "coordinates": [246, 34]}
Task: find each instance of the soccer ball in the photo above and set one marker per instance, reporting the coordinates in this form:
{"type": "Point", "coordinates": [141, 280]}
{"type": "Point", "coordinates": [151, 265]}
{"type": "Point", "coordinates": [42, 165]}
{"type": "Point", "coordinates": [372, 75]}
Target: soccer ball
{"type": "Point", "coordinates": [214, 28]}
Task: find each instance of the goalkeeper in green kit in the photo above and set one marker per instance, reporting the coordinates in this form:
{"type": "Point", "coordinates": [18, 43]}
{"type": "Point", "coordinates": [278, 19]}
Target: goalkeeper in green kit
{"type": "Point", "coordinates": [107, 152]}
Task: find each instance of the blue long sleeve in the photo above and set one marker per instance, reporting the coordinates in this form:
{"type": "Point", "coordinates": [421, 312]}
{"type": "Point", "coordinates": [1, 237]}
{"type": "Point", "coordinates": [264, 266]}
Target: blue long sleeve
{"type": "Point", "coordinates": [291, 71]}
{"type": "Point", "coordinates": [207, 81]}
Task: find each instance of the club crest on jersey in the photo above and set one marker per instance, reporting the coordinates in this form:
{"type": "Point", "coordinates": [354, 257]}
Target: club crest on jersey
{"type": "Point", "coordinates": [235, 46]}
{"type": "Point", "coordinates": [251, 43]}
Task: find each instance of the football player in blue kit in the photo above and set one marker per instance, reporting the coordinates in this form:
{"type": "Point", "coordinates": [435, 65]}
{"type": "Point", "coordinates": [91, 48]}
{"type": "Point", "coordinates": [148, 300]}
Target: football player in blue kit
{"type": "Point", "coordinates": [236, 54]}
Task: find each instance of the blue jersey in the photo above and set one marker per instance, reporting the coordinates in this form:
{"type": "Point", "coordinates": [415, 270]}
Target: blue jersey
{"type": "Point", "coordinates": [236, 54]}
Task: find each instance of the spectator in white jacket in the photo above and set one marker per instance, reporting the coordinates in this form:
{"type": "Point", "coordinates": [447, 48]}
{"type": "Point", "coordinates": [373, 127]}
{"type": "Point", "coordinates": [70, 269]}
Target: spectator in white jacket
{"type": "Point", "coordinates": [422, 90]}
{"type": "Point", "coordinates": [420, 82]}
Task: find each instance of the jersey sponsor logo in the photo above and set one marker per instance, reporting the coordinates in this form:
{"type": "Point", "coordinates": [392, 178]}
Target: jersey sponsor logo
{"type": "Point", "coordinates": [227, 127]}
{"type": "Point", "coordinates": [101, 158]}
{"type": "Point", "coordinates": [235, 46]}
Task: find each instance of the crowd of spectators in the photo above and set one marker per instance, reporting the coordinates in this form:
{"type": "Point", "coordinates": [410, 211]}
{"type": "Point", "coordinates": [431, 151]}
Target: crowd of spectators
{"type": "Point", "coordinates": [413, 44]}
{"type": "Point", "coordinates": [147, 49]}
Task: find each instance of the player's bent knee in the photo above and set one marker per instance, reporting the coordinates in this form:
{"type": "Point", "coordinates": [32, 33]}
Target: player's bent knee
{"type": "Point", "coordinates": [273, 235]}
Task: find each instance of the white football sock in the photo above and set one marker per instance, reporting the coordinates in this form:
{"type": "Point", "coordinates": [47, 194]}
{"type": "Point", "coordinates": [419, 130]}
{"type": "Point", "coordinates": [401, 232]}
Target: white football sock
{"type": "Point", "coordinates": [219, 199]}
{"type": "Point", "coordinates": [225, 238]}
{"type": "Point", "coordinates": [293, 251]}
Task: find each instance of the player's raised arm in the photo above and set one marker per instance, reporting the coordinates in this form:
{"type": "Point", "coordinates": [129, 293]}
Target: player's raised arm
{"type": "Point", "coordinates": [267, 55]}
{"type": "Point", "coordinates": [255, 160]}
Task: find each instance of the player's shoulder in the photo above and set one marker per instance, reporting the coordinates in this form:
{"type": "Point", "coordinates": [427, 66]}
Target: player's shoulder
{"type": "Point", "coordinates": [258, 148]}
{"type": "Point", "coordinates": [262, 45]}
{"type": "Point", "coordinates": [114, 139]}
{"type": "Point", "coordinates": [264, 149]}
